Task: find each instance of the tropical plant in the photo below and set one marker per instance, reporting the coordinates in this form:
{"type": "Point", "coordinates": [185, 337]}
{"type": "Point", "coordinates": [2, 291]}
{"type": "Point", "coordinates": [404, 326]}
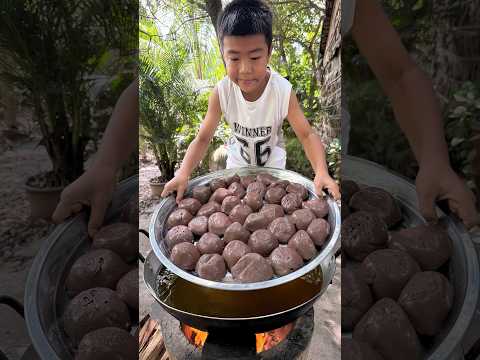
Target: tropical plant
{"type": "Point", "coordinates": [463, 116]}
{"type": "Point", "coordinates": [167, 103]}
{"type": "Point", "coordinates": [54, 50]}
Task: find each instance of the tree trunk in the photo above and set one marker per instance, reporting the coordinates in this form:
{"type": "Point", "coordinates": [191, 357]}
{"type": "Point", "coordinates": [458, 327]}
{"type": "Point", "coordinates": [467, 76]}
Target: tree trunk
{"type": "Point", "coordinates": [213, 8]}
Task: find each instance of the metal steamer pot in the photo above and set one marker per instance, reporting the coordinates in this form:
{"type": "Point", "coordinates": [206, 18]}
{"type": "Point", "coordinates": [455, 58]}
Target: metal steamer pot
{"type": "Point", "coordinates": [261, 306]}
{"type": "Point", "coordinates": [45, 295]}
{"type": "Point", "coordinates": [463, 267]}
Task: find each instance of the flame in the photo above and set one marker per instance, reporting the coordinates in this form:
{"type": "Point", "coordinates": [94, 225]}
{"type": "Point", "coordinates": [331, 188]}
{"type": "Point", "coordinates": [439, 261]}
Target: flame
{"type": "Point", "coordinates": [272, 338]}
{"type": "Point", "coordinates": [195, 337]}
{"type": "Point", "coordinates": [264, 341]}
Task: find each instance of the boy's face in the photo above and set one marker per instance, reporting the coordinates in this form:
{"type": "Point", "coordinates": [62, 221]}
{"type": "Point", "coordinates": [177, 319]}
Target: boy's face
{"type": "Point", "coordinates": [246, 58]}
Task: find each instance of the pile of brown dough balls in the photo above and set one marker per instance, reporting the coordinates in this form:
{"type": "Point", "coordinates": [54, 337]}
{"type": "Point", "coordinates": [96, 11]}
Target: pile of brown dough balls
{"type": "Point", "coordinates": [393, 295]}
{"type": "Point", "coordinates": [254, 226]}
{"type": "Point", "coordinates": [103, 287]}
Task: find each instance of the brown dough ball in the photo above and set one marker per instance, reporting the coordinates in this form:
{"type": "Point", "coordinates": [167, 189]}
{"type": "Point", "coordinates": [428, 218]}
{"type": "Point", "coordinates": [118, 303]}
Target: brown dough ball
{"type": "Point", "coordinates": [251, 268]}
{"type": "Point", "coordinates": [198, 225]}
{"type": "Point", "coordinates": [356, 299]}
{"type": "Point", "coordinates": [247, 180]}
{"type": "Point", "coordinates": [354, 266]}
{"type": "Point", "coordinates": [202, 193]}
{"type": "Point", "coordinates": [229, 180]}
{"type": "Point", "coordinates": [318, 231]}
{"type": "Point", "coordinates": [209, 208]}
{"type": "Point", "coordinates": [127, 288]}
{"type": "Point", "coordinates": [121, 238]}
{"type": "Point", "coordinates": [363, 233]}
{"type": "Point", "coordinates": [210, 243]}
{"type": "Point", "coordinates": [218, 223]}
{"type": "Point", "coordinates": [266, 178]}
{"type": "Point", "coordinates": [211, 267]}
{"type": "Point", "coordinates": [240, 213]}
{"type": "Point", "coordinates": [177, 235]}
{"type": "Point", "coordinates": [256, 221]}
{"type": "Point", "coordinates": [107, 343]}
{"type": "Point", "coordinates": [178, 217]}
{"type": "Point", "coordinates": [282, 183]}
{"type": "Point", "coordinates": [229, 203]}
{"type": "Point", "coordinates": [302, 218]}
{"type": "Point", "coordinates": [234, 251]}
{"type": "Point", "coordinates": [192, 205]}
{"type": "Point", "coordinates": [298, 189]}
{"type": "Point", "coordinates": [220, 194]}
{"type": "Point", "coordinates": [96, 268]}
{"type": "Point", "coordinates": [216, 184]}
{"type": "Point", "coordinates": [272, 211]}
{"type": "Point", "coordinates": [237, 189]}
{"type": "Point", "coordinates": [289, 217]}
{"type": "Point", "coordinates": [285, 260]}
{"type": "Point", "coordinates": [388, 271]}
{"type": "Point", "coordinates": [291, 202]}
{"type": "Point", "coordinates": [282, 229]}
{"type": "Point", "coordinates": [429, 245]}
{"type": "Point", "coordinates": [253, 200]}
{"type": "Point", "coordinates": [379, 202]}
{"type": "Point", "coordinates": [386, 328]}
{"type": "Point", "coordinates": [303, 244]}
{"type": "Point", "coordinates": [236, 231]}
{"type": "Point", "coordinates": [185, 255]}
{"type": "Point", "coordinates": [262, 242]}
{"type": "Point", "coordinates": [94, 309]}
{"type": "Point", "coordinates": [357, 350]}
{"type": "Point", "coordinates": [318, 206]}
{"type": "Point", "coordinates": [427, 299]}
{"type": "Point", "coordinates": [345, 211]}
{"type": "Point", "coordinates": [274, 195]}
{"type": "Point", "coordinates": [130, 211]}
{"type": "Point", "coordinates": [257, 187]}
{"type": "Point", "coordinates": [347, 189]}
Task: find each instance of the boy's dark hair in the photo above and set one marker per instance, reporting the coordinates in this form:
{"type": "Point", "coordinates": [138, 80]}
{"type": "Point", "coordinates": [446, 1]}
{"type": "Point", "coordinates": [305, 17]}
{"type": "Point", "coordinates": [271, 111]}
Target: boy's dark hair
{"type": "Point", "coordinates": [245, 17]}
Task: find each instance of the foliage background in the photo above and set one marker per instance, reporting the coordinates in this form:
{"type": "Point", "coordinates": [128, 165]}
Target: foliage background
{"type": "Point", "coordinates": [425, 28]}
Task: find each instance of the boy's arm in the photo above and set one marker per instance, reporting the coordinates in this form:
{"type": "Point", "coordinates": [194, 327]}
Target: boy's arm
{"type": "Point", "coordinates": [119, 139]}
{"type": "Point", "coordinates": [197, 148]}
{"type": "Point", "coordinates": [416, 110]}
{"type": "Point", "coordinates": [313, 147]}
{"type": "Point", "coordinates": [95, 187]}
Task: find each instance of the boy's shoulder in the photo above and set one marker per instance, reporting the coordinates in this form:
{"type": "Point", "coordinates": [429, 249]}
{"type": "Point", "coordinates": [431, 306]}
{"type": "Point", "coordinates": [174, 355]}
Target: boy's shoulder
{"type": "Point", "coordinates": [279, 79]}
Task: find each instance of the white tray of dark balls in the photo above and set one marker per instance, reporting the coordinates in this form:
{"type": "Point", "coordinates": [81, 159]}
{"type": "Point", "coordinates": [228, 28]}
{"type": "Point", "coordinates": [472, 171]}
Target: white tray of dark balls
{"type": "Point", "coordinates": [246, 229]}
{"type": "Point", "coordinates": [395, 292]}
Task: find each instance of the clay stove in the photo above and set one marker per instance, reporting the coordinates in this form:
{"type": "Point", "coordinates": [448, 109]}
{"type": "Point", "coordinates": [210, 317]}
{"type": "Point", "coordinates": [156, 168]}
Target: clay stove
{"type": "Point", "coordinates": [183, 342]}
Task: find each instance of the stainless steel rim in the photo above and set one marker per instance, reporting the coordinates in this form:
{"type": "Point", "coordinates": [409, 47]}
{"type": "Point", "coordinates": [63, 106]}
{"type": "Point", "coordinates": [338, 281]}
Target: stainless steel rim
{"type": "Point", "coordinates": [332, 244]}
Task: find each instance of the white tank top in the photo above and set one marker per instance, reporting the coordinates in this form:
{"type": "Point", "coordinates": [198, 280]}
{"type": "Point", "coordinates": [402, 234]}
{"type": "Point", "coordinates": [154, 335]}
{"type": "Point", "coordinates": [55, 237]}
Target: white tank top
{"type": "Point", "coordinates": [256, 125]}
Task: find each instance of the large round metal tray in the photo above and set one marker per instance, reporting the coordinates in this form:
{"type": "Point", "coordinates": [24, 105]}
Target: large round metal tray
{"type": "Point", "coordinates": [463, 268]}
{"type": "Point", "coordinates": [45, 293]}
{"type": "Point", "coordinates": [158, 230]}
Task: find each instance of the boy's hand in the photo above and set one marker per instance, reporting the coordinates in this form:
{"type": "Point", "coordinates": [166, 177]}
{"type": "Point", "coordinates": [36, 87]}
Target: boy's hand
{"type": "Point", "coordinates": [94, 188]}
{"type": "Point", "coordinates": [178, 184]}
{"type": "Point", "coordinates": [324, 181]}
{"type": "Point", "coordinates": [444, 184]}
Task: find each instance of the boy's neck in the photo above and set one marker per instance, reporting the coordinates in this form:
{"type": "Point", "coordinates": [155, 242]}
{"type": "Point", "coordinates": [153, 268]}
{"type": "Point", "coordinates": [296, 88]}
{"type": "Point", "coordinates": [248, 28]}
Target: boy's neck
{"type": "Point", "coordinates": [256, 95]}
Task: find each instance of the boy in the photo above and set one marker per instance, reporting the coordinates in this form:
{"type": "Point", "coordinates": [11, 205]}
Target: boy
{"type": "Point", "coordinates": [254, 101]}
{"type": "Point", "coordinates": [415, 107]}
